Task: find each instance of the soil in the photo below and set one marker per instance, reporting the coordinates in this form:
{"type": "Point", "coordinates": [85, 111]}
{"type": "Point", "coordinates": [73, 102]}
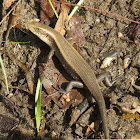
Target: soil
{"type": "Point", "coordinates": [17, 116]}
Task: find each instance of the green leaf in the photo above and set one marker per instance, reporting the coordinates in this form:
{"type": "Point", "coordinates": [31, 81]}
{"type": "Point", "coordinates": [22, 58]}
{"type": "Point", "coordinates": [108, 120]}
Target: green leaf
{"type": "Point", "coordinates": [3, 69]}
{"type": "Point", "coordinates": [38, 103]}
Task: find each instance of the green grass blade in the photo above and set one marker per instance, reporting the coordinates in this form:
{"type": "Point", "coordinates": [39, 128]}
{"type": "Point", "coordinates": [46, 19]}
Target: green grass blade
{"type": "Point", "coordinates": [53, 9]}
{"type": "Point", "coordinates": [3, 69]}
{"type": "Point", "coordinates": [38, 103]}
{"type": "Point", "coordinates": [75, 8]}
{"type": "Point", "coordinates": [15, 42]}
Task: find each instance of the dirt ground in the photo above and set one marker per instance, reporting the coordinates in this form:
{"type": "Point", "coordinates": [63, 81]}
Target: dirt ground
{"type": "Point", "coordinates": [17, 116]}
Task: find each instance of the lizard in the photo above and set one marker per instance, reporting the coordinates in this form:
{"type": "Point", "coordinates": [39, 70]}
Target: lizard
{"type": "Point", "coordinates": [73, 62]}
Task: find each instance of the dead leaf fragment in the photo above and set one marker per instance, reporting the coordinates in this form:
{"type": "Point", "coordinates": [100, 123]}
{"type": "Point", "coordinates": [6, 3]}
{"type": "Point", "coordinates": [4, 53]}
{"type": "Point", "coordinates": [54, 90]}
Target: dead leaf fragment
{"type": "Point", "coordinates": [89, 128]}
{"type": "Point", "coordinates": [46, 12]}
{"type": "Point", "coordinates": [62, 20]}
{"type": "Point", "coordinates": [8, 3]}
{"type": "Point", "coordinates": [132, 111]}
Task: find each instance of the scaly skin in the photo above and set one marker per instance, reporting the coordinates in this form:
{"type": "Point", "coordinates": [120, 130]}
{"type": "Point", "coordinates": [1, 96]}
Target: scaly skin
{"type": "Point", "coordinates": [73, 63]}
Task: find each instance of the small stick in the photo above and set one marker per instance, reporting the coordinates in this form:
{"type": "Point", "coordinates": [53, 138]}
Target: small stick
{"type": "Point", "coordinates": [101, 11]}
{"type": "Point", "coordinates": [9, 12]}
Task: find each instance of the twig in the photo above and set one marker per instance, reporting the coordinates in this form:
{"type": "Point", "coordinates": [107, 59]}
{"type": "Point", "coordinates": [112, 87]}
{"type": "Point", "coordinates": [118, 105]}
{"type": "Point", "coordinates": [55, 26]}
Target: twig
{"type": "Point", "coordinates": [9, 12]}
{"type": "Point", "coordinates": [101, 11]}
{"type": "Point", "coordinates": [85, 124]}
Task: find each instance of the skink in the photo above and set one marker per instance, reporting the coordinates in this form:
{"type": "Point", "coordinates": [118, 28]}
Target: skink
{"type": "Point", "coordinates": [73, 62]}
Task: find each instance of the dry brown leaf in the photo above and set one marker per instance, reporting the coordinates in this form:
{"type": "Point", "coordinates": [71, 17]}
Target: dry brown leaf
{"type": "Point", "coordinates": [89, 128]}
{"type": "Point", "coordinates": [46, 12]}
{"type": "Point", "coordinates": [53, 78]}
{"type": "Point", "coordinates": [7, 3]}
{"type": "Point", "coordinates": [132, 111]}
{"type": "Point", "coordinates": [75, 33]}
{"type": "Point", "coordinates": [62, 20]}
{"type": "Point", "coordinates": [15, 17]}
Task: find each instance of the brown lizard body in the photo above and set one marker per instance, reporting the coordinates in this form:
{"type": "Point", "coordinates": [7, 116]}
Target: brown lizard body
{"type": "Point", "coordinates": [73, 62]}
